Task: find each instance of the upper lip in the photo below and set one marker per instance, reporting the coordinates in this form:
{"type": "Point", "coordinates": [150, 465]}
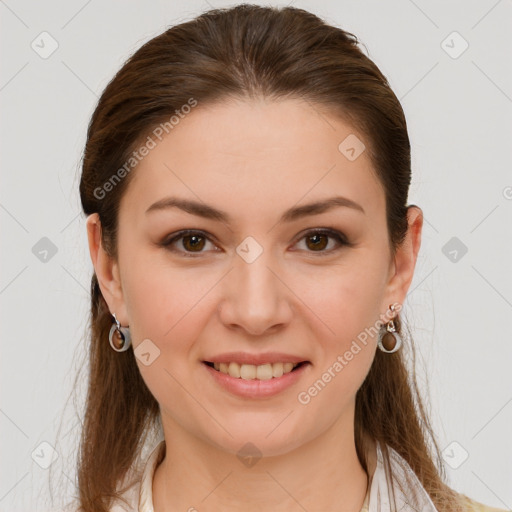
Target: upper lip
{"type": "Point", "coordinates": [255, 359]}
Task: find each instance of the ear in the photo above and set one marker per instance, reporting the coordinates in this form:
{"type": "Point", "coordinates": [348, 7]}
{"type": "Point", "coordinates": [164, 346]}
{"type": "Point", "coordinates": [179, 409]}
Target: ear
{"type": "Point", "coordinates": [404, 262]}
{"type": "Point", "coordinates": [107, 270]}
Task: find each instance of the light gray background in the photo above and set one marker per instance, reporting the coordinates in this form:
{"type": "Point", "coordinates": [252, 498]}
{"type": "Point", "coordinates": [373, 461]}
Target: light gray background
{"type": "Point", "coordinates": [458, 111]}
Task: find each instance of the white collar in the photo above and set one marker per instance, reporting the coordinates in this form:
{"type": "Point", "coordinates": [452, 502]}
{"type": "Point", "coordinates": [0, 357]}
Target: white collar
{"type": "Point", "coordinates": [409, 493]}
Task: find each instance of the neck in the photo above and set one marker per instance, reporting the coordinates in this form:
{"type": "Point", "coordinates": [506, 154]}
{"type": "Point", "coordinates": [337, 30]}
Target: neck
{"type": "Point", "coordinates": [323, 474]}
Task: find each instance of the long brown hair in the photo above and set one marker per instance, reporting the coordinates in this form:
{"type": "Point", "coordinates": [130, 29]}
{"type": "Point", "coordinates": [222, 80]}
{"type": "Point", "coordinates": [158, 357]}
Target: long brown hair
{"type": "Point", "coordinates": [245, 51]}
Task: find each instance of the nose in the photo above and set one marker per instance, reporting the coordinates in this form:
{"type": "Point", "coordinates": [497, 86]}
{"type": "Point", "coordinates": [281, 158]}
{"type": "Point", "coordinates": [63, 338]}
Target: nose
{"type": "Point", "coordinates": [255, 298]}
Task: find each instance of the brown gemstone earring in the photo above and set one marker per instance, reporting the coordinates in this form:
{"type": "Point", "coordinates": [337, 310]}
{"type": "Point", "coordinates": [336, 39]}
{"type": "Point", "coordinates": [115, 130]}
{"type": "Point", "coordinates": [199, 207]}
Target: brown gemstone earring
{"type": "Point", "coordinates": [389, 339]}
{"type": "Point", "coordinates": [119, 337]}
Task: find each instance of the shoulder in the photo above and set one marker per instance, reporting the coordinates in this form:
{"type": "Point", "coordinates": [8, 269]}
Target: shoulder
{"type": "Point", "coordinates": [475, 506]}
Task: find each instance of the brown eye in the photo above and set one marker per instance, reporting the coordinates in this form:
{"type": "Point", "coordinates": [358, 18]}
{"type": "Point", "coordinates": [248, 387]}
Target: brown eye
{"type": "Point", "coordinates": [318, 241]}
{"type": "Point", "coordinates": [193, 242]}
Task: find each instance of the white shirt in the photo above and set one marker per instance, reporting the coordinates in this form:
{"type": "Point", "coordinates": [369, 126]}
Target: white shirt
{"type": "Point", "coordinates": [409, 493]}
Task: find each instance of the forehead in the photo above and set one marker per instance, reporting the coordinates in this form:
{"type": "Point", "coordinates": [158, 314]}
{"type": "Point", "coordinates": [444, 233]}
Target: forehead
{"type": "Point", "coordinates": [253, 156]}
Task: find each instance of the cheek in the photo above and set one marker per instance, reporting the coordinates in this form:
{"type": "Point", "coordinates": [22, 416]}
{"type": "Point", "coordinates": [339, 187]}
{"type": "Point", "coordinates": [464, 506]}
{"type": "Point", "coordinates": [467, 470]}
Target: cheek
{"type": "Point", "coordinates": [165, 307]}
{"type": "Point", "coordinates": [347, 308]}
{"type": "Point", "coordinates": [347, 299]}
{"type": "Point", "coordinates": [162, 299]}
{"type": "Point", "coordinates": [335, 380]}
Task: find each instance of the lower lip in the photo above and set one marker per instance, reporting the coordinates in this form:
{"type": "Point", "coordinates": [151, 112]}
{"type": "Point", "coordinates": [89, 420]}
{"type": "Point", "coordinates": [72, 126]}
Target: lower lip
{"type": "Point", "coordinates": [255, 388]}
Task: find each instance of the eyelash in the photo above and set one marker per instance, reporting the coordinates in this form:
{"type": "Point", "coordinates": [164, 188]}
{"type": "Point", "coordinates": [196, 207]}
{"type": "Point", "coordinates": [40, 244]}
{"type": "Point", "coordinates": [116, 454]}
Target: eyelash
{"type": "Point", "coordinates": [339, 237]}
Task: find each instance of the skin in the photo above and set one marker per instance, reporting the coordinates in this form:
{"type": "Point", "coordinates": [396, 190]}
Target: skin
{"type": "Point", "coordinates": [255, 159]}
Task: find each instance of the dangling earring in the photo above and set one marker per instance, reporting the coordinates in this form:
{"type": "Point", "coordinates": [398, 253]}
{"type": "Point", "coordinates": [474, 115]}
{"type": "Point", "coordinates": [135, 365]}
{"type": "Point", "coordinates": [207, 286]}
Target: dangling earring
{"type": "Point", "coordinates": [119, 337]}
{"type": "Point", "coordinates": [390, 340]}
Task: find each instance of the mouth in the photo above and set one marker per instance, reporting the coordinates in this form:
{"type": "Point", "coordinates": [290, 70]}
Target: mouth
{"type": "Point", "coordinates": [265, 371]}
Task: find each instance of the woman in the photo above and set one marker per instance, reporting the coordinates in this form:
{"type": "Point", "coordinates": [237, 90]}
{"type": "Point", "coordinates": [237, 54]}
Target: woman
{"type": "Point", "coordinates": [245, 179]}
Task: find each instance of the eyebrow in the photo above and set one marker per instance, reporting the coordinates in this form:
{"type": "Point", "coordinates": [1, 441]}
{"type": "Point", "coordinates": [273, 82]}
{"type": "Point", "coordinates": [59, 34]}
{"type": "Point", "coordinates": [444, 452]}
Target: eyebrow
{"type": "Point", "coordinates": [294, 213]}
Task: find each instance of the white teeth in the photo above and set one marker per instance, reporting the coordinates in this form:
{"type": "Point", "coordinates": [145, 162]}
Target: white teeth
{"type": "Point", "coordinates": [250, 371]}
{"type": "Point", "coordinates": [277, 370]}
{"type": "Point", "coordinates": [245, 371]}
{"type": "Point", "coordinates": [234, 369]}
{"type": "Point", "coordinates": [288, 367]}
{"type": "Point", "coordinates": [263, 371]}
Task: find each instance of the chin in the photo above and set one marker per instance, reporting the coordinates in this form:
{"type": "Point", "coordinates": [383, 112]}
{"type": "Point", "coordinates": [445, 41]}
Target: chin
{"type": "Point", "coordinates": [257, 439]}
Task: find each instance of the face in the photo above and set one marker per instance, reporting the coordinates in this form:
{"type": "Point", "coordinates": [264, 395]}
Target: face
{"type": "Point", "coordinates": [268, 278]}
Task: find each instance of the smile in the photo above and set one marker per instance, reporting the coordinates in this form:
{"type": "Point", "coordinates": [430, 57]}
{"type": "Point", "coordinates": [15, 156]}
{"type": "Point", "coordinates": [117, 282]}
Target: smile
{"type": "Point", "coordinates": [250, 371]}
{"type": "Point", "coordinates": [256, 382]}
